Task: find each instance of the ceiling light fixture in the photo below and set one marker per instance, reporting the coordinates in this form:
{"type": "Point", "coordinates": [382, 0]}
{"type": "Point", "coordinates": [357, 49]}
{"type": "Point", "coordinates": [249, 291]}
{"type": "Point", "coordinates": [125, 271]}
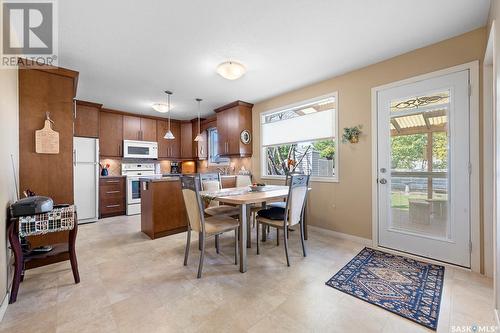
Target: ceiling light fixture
{"type": "Point", "coordinates": [160, 107]}
{"type": "Point", "coordinates": [169, 135]}
{"type": "Point", "coordinates": [231, 70]}
{"type": "Point", "coordinates": [199, 137]}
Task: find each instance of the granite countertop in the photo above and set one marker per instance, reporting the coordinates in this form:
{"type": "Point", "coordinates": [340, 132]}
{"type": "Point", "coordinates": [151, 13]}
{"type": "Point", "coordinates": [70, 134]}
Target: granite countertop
{"type": "Point", "coordinates": [112, 176]}
{"type": "Point", "coordinates": [164, 178]}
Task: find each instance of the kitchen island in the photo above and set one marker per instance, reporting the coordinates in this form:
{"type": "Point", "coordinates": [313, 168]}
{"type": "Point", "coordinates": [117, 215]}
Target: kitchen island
{"type": "Point", "coordinates": [162, 207]}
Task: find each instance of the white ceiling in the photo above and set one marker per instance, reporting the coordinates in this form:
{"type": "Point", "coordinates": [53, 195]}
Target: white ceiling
{"type": "Point", "coordinates": [128, 52]}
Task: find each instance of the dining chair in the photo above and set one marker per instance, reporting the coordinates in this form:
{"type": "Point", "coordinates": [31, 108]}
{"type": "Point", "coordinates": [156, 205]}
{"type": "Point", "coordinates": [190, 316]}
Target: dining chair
{"type": "Point", "coordinates": [207, 227]}
{"type": "Point", "coordinates": [246, 180]}
{"type": "Point", "coordinates": [292, 215]}
{"type": "Point", "coordinates": [212, 182]}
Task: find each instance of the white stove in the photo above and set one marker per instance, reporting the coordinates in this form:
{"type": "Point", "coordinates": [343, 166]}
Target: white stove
{"type": "Point", "coordinates": [133, 172]}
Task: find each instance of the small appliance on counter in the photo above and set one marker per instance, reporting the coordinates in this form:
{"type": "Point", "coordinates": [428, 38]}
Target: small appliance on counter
{"type": "Point", "coordinates": [31, 206]}
{"type": "Point", "coordinates": [175, 168]}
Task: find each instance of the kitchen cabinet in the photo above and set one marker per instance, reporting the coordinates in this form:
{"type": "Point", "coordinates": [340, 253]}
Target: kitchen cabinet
{"type": "Point", "coordinates": [186, 140]}
{"type": "Point", "coordinates": [86, 119]}
{"type": "Point", "coordinates": [139, 128]}
{"type": "Point", "coordinates": [41, 90]}
{"type": "Point", "coordinates": [112, 196]}
{"type": "Point", "coordinates": [162, 207]}
{"type": "Point", "coordinates": [232, 119]}
{"type": "Point", "coordinates": [168, 148]}
{"type": "Point", "coordinates": [200, 148]}
{"type": "Point", "coordinates": [111, 134]}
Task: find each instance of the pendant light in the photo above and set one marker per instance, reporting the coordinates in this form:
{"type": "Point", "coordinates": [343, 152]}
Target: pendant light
{"type": "Point", "coordinates": [199, 137]}
{"type": "Point", "coordinates": [169, 135]}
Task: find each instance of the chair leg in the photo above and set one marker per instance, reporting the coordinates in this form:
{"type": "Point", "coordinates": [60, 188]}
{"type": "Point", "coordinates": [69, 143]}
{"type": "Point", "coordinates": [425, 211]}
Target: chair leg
{"type": "Point", "coordinates": [258, 240]}
{"type": "Point", "coordinates": [217, 244]}
{"type": "Point", "coordinates": [285, 237]}
{"type": "Point", "coordinates": [236, 233]}
{"type": "Point", "coordinates": [188, 243]}
{"type": "Point", "coordinates": [202, 256]}
{"type": "Point", "coordinates": [264, 232]}
{"type": "Point", "coordinates": [199, 240]}
{"type": "Point", "coordinates": [302, 238]}
{"type": "Point", "coordinates": [277, 237]}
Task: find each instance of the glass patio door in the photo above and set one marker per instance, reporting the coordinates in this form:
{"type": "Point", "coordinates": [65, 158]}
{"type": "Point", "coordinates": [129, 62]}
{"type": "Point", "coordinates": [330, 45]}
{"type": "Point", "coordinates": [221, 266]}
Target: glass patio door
{"type": "Point", "coordinates": [423, 168]}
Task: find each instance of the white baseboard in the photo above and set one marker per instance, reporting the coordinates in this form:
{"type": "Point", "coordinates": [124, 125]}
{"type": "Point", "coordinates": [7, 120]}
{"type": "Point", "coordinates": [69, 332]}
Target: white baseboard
{"type": "Point", "coordinates": [341, 235]}
{"type": "Point", "coordinates": [3, 306]}
{"type": "Point", "coordinates": [497, 318]}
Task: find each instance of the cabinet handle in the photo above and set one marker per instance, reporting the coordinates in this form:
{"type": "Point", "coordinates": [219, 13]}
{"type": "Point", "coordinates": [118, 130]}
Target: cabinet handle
{"type": "Point", "coordinates": [112, 181]}
{"type": "Point", "coordinates": [119, 150]}
{"type": "Point", "coordinates": [110, 192]}
{"type": "Point", "coordinates": [111, 206]}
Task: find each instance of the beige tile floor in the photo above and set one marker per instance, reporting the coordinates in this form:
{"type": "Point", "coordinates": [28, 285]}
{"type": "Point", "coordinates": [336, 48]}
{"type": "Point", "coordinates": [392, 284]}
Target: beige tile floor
{"type": "Point", "coordinates": [133, 284]}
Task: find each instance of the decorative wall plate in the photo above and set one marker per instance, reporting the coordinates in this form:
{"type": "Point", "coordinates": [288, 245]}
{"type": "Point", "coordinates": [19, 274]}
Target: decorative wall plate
{"type": "Point", "coordinates": [245, 137]}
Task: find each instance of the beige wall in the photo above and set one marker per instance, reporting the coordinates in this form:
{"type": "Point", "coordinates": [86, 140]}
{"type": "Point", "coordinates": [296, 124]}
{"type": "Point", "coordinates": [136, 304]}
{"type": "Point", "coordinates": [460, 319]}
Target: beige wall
{"type": "Point", "coordinates": [346, 206]}
{"type": "Point", "coordinates": [9, 144]}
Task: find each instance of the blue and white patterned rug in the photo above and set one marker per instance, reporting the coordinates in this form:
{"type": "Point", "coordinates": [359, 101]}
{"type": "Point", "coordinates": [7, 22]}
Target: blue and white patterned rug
{"type": "Point", "coordinates": [407, 287]}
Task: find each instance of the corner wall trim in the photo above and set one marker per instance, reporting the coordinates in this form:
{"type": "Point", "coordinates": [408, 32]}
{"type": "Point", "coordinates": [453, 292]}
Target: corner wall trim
{"type": "Point", "coordinates": [3, 306]}
{"type": "Point", "coordinates": [341, 235]}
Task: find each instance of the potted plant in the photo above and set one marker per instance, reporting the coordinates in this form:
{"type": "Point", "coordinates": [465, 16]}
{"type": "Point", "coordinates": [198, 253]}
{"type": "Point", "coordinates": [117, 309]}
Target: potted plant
{"type": "Point", "coordinates": [351, 134]}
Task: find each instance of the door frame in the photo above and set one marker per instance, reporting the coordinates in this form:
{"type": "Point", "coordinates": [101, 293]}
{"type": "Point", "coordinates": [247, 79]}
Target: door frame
{"type": "Point", "coordinates": [473, 68]}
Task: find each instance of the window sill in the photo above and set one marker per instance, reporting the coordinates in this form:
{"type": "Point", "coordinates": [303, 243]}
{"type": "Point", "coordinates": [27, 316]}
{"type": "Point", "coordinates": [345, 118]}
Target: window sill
{"type": "Point", "coordinates": [313, 179]}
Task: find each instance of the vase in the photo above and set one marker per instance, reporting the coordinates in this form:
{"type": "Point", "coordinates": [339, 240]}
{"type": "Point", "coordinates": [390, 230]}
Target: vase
{"type": "Point", "coordinates": [104, 172]}
{"type": "Point", "coordinates": [354, 139]}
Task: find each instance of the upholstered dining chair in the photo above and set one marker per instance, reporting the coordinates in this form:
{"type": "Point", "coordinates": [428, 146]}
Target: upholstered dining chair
{"type": "Point", "coordinates": [246, 180]}
{"type": "Point", "coordinates": [206, 227]}
{"type": "Point", "coordinates": [292, 215]}
{"type": "Point", "coordinates": [212, 182]}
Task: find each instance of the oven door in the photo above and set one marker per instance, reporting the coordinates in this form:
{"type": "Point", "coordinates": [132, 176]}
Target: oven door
{"type": "Point", "coordinates": [133, 190]}
{"type": "Point", "coordinates": [140, 149]}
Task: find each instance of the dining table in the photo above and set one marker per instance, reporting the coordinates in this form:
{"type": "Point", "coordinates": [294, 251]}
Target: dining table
{"type": "Point", "coordinates": [244, 198]}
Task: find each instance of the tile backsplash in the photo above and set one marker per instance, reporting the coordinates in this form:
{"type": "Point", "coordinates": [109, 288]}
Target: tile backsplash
{"type": "Point", "coordinates": [235, 165]}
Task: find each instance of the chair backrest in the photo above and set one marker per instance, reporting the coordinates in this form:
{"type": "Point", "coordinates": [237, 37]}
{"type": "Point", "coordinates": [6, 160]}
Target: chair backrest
{"type": "Point", "coordinates": [243, 180]}
{"type": "Point", "coordinates": [209, 181]}
{"type": "Point", "coordinates": [297, 195]}
{"type": "Point", "coordinates": [288, 177]}
{"type": "Point", "coordinates": [192, 201]}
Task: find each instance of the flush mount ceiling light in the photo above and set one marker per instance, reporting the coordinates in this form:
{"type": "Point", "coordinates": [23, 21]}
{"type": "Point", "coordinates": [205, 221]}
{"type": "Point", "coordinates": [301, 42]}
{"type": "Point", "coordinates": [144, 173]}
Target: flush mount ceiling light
{"type": "Point", "coordinates": [198, 137]}
{"type": "Point", "coordinates": [231, 70]}
{"type": "Point", "coordinates": [160, 107]}
{"type": "Point", "coordinates": [169, 135]}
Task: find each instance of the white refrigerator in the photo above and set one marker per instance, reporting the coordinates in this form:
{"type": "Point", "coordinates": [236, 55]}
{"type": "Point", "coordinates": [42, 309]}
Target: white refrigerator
{"type": "Point", "coordinates": [86, 178]}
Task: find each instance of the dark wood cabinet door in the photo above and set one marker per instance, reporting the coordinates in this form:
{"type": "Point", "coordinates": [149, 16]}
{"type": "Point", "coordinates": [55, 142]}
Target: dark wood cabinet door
{"type": "Point", "coordinates": [111, 134]}
{"type": "Point", "coordinates": [232, 130]}
{"type": "Point", "coordinates": [86, 119]}
{"type": "Point", "coordinates": [186, 140]}
{"type": "Point", "coordinates": [148, 129]}
{"type": "Point", "coordinates": [175, 145]}
{"type": "Point", "coordinates": [131, 128]}
{"type": "Point", "coordinates": [222, 132]}
{"type": "Point", "coordinates": [163, 144]}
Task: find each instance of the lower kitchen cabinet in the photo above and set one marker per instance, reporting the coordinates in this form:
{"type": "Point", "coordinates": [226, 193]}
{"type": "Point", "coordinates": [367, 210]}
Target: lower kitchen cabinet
{"type": "Point", "coordinates": [112, 196]}
{"type": "Point", "coordinates": [163, 211]}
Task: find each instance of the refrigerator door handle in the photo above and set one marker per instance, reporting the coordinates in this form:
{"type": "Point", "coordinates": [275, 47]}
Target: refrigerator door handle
{"type": "Point", "coordinates": [74, 157]}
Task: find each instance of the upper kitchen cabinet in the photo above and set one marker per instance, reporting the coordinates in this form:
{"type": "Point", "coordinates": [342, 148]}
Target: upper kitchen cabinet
{"type": "Point", "coordinates": [138, 128]}
{"type": "Point", "coordinates": [232, 120]}
{"type": "Point", "coordinates": [168, 148]}
{"type": "Point", "coordinates": [111, 134]}
{"type": "Point", "coordinates": [200, 148]}
{"type": "Point", "coordinates": [186, 140]}
{"type": "Point", "coordinates": [86, 123]}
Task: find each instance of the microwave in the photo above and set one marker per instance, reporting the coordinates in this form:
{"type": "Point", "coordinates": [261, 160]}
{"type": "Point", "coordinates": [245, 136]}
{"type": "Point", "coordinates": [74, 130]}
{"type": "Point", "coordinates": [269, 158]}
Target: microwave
{"type": "Point", "coordinates": [140, 149]}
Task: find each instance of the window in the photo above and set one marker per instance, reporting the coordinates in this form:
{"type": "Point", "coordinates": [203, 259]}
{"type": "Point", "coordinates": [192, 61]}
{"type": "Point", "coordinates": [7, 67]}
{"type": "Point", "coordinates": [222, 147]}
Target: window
{"type": "Point", "coordinates": [301, 138]}
{"type": "Point", "coordinates": [213, 155]}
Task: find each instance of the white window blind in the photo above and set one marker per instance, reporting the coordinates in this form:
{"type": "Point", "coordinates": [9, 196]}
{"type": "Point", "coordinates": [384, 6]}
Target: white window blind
{"type": "Point", "coordinates": [306, 122]}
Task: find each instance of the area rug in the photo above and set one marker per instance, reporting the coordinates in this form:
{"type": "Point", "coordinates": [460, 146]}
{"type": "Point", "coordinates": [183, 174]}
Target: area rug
{"type": "Point", "coordinates": [406, 287]}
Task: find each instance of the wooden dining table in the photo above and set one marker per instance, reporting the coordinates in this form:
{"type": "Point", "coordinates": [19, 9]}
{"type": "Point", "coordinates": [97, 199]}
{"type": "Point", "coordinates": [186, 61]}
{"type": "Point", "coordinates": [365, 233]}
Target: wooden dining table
{"type": "Point", "coordinates": [244, 198]}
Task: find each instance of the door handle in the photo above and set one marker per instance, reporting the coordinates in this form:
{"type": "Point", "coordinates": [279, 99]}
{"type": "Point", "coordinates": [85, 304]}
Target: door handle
{"type": "Point", "coordinates": [74, 157]}
{"type": "Point", "coordinates": [383, 181]}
